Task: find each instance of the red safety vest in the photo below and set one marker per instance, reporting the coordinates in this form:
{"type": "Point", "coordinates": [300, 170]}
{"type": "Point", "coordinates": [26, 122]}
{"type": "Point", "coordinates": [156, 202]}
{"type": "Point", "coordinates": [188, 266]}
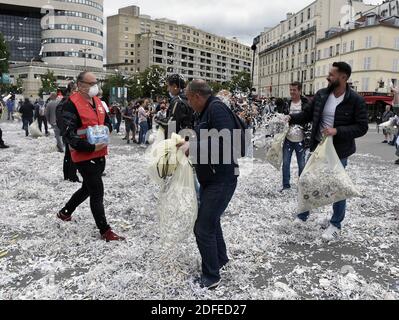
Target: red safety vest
{"type": "Point", "coordinates": [89, 118]}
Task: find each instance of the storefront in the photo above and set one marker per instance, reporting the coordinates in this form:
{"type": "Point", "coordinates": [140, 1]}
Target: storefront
{"type": "Point", "coordinates": [377, 103]}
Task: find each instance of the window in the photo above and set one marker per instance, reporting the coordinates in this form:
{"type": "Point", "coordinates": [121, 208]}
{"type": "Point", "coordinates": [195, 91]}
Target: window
{"type": "Point", "coordinates": [344, 47]}
{"type": "Point", "coordinates": [365, 84]}
{"type": "Point", "coordinates": [395, 65]}
{"type": "Point", "coordinates": [352, 45]}
{"type": "Point", "coordinates": [126, 28]}
{"type": "Point", "coordinates": [397, 43]}
{"type": "Point", "coordinates": [331, 51]}
{"type": "Point", "coordinates": [318, 54]}
{"type": "Point", "coordinates": [325, 54]}
{"type": "Point", "coordinates": [309, 14]}
{"type": "Point", "coordinates": [302, 17]}
{"type": "Point", "coordinates": [367, 63]}
{"type": "Point", "coordinates": [369, 40]}
{"type": "Point", "coordinates": [337, 50]}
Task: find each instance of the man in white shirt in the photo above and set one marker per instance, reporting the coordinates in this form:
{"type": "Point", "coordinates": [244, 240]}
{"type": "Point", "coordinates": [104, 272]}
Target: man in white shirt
{"type": "Point", "coordinates": [341, 113]}
{"type": "Point", "coordinates": [295, 137]}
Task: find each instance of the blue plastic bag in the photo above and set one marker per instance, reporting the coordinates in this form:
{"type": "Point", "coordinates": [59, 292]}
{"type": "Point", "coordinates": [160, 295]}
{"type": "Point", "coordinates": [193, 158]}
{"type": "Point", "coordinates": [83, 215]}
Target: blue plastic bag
{"type": "Point", "coordinates": [98, 135]}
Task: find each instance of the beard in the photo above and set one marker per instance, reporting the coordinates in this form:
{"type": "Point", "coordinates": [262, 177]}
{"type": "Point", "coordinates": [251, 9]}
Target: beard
{"type": "Point", "coordinates": [332, 85]}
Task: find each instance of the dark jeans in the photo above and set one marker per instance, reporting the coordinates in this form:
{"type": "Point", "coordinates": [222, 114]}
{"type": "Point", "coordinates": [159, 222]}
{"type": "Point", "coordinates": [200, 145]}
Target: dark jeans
{"type": "Point", "coordinates": [118, 124]}
{"type": "Point", "coordinates": [288, 149]}
{"type": "Point", "coordinates": [1, 138]}
{"type": "Point", "coordinates": [26, 122]}
{"type": "Point", "coordinates": [92, 187]}
{"type": "Point", "coordinates": [69, 168]}
{"type": "Point", "coordinates": [214, 199]}
{"type": "Point", "coordinates": [130, 127]}
{"type": "Point", "coordinates": [338, 207]}
{"type": "Point", "coordinates": [143, 131]}
{"type": "Point", "coordinates": [41, 121]}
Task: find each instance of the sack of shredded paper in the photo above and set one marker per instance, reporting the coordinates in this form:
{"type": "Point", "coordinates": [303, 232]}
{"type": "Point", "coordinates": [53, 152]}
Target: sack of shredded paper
{"type": "Point", "coordinates": [162, 158]}
{"type": "Point", "coordinates": [324, 180]}
{"type": "Point", "coordinates": [178, 204]}
{"type": "Point", "coordinates": [274, 153]}
{"type": "Point", "coordinates": [34, 130]}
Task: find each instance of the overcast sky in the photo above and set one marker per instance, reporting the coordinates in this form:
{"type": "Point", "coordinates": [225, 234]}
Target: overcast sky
{"type": "Point", "coordinates": [241, 18]}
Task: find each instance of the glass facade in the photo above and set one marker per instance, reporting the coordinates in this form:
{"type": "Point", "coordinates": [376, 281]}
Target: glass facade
{"type": "Point", "coordinates": [22, 33]}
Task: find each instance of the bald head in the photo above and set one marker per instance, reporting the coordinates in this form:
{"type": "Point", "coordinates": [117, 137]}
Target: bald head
{"type": "Point", "coordinates": [199, 87]}
{"type": "Point", "coordinates": [198, 93]}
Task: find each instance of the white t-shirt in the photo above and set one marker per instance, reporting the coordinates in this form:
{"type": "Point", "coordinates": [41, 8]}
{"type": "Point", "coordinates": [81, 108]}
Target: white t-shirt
{"type": "Point", "coordinates": [295, 134]}
{"type": "Point", "coordinates": [328, 117]}
{"type": "Point", "coordinates": [105, 107]}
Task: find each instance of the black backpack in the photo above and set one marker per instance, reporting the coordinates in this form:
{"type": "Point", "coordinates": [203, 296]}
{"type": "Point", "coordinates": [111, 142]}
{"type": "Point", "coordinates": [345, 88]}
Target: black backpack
{"type": "Point", "coordinates": [245, 133]}
{"type": "Point", "coordinates": [59, 117]}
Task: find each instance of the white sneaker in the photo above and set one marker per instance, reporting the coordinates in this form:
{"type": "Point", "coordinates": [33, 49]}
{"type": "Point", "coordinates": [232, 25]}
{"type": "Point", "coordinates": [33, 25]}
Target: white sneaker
{"type": "Point", "coordinates": [331, 234]}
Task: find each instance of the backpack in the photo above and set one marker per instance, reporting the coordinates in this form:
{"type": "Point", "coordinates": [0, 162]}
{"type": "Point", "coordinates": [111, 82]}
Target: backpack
{"type": "Point", "coordinates": [59, 117]}
{"type": "Point", "coordinates": [245, 134]}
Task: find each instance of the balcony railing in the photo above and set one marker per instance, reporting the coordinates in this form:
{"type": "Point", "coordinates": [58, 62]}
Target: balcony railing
{"type": "Point", "coordinates": [290, 39]}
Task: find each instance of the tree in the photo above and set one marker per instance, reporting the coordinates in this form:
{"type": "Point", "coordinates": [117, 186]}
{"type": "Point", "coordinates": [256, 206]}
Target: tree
{"type": "Point", "coordinates": [153, 82]}
{"type": "Point", "coordinates": [49, 83]}
{"type": "Point", "coordinates": [121, 81]}
{"type": "Point", "coordinates": [4, 55]}
{"type": "Point", "coordinates": [218, 86]}
{"type": "Point", "coordinates": [241, 83]}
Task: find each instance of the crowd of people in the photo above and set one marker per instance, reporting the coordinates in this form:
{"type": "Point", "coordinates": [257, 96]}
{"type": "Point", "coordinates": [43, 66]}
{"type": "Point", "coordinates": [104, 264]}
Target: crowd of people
{"type": "Point", "coordinates": [336, 111]}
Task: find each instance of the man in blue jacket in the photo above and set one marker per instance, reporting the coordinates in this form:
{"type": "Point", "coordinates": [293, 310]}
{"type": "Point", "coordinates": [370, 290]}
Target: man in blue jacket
{"type": "Point", "coordinates": [217, 177]}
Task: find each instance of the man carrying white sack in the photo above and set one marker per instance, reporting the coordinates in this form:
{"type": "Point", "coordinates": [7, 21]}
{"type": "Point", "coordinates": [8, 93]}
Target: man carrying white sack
{"type": "Point", "coordinates": [339, 112]}
{"type": "Point", "coordinates": [217, 171]}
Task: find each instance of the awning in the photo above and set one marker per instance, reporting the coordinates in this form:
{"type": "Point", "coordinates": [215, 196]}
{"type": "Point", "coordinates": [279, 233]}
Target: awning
{"type": "Point", "coordinates": [371, 100]}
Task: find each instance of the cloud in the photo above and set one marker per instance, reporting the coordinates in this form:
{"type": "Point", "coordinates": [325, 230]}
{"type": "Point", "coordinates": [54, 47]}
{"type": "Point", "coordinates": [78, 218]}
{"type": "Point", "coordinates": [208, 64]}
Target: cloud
{"type": "Point", "coordinates": [229, 18]}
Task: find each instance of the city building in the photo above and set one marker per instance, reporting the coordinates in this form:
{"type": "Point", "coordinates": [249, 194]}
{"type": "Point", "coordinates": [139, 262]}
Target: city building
{"type": "Point", "coordinates": [135, 42]}
{"type": "Point", "coordinates": [64, 36]}
{"type": "Point", "coordinates": [287, 52]}
{"type": "Point", "coordinates": [371, 47]}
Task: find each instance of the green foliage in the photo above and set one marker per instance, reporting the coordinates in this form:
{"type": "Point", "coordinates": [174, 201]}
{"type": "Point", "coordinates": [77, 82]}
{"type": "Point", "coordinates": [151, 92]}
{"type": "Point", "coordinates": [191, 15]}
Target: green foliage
{"type": "Point", "coordinates": [49, 83]}
{"type": "Point", "coordinates": [241, 83]}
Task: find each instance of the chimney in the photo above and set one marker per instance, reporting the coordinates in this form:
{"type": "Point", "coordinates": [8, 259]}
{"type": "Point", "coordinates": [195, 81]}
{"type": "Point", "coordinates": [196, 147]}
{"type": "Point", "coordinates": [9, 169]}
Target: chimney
{"type": "Point", "coordinates": [289, 15]}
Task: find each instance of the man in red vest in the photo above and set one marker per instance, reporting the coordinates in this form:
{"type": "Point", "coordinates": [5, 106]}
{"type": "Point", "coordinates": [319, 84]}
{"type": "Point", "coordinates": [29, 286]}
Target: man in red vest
{"type": "Point", "coordinates": [82, 110]}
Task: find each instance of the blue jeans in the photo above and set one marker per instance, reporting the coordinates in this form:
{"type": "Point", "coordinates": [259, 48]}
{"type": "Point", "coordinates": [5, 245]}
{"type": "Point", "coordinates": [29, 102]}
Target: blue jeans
{"type": "Point", "coordinates": [26, 122]}
{"type": "Point", "coordinates": [215, 198]}
{"type": "Point", "coordinates": [143, 131]}
{"type": "Point", "coordinates": [338, 207]}
{"type": "Point", "coordinates": [288, 149]}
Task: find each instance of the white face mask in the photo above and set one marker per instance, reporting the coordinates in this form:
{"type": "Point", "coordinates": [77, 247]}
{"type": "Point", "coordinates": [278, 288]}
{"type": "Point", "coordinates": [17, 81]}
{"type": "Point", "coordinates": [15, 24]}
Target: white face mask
{"type": "Point", "coordinates": [93, 91]}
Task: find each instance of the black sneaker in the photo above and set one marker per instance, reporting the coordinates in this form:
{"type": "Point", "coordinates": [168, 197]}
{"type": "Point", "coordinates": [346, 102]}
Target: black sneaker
{"type": "Point", "coordinates": [397, 162]}
{"type": "Point", "coordinates": [206, 284]}
{"type": "Point", "coordinates": [3, 146]}
{"type": "Point", "coordinates": [385, 141]}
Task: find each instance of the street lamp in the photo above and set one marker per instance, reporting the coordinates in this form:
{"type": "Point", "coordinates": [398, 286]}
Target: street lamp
{"type": "Point", "coordinates": [85, 50]}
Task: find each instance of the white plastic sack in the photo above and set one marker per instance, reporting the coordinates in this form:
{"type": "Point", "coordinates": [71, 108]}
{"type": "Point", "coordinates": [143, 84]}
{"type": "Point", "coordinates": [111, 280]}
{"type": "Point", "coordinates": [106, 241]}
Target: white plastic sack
{"type": "Point", "coordinates": [34, 130]}
{"type": "Point", "coordinates": [324, 180]}
{"type": "Point", "coordinates": [274, 153]}
{"type": "Point", "coordinates": [178, 204]}
{"type": "Point", "coordinates": [162, 158]}
{"type": "Point", "coordinates": [389, 124]}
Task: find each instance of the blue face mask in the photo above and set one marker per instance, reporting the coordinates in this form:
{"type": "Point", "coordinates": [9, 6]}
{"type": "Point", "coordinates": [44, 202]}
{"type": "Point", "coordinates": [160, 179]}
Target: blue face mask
{"type": "Point", "coordinates": [171, 95]}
